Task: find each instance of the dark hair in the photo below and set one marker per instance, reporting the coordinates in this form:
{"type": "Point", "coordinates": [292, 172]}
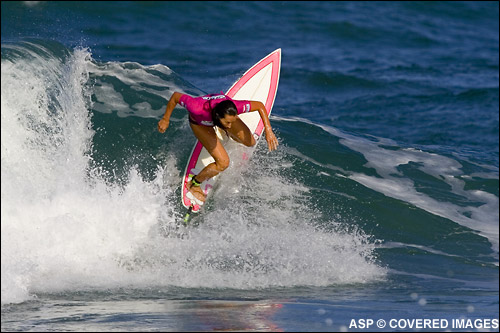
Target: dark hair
{"type": "Point", "coordinates": [221, 109]}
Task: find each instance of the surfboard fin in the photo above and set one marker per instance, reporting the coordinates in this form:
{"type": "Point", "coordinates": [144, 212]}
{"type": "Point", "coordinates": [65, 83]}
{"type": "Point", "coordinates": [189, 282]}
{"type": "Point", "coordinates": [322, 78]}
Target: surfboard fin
{"type": "Point", "coordinates": [188, 214]}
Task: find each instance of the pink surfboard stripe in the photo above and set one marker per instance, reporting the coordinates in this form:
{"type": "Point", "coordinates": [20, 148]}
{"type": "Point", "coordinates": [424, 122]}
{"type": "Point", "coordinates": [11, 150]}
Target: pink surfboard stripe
{"type": "Point", "coordinates": [192, 163]}
{"type": "Point", "coordinates": [274, 59]}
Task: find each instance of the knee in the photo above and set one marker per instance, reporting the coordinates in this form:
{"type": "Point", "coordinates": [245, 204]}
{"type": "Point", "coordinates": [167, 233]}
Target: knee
{"type": "Point", "coordinates": [252, 142]}
{"type": "Point", "coordinates": [222, 165]}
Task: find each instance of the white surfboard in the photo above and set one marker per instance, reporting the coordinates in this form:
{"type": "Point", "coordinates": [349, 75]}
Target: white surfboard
{"type": "Point", "coordinates": [259, 83]}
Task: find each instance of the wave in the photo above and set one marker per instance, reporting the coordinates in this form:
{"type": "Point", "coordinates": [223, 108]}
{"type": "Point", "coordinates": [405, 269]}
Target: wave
{"type": "Point", "coordinates": [416, 176]}
{"type": "Point", "coordinates": [100, 207]}
{"type": "Point", "coordinates": [68, 224]}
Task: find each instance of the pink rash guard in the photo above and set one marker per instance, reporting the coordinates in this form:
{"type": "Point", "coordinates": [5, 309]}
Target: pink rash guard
{"type": "Point", "coordinates": [200, 108]}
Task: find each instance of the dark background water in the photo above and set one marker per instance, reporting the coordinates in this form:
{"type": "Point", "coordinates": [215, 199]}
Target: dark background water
{"type": "Point", "coordinates": [382, 201]}
{"type": "Point", "coordinates": [419, 73]}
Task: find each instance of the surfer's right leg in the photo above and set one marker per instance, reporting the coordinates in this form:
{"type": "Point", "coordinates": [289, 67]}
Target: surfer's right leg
{"type": "Point", "coordinates": [206, 135]}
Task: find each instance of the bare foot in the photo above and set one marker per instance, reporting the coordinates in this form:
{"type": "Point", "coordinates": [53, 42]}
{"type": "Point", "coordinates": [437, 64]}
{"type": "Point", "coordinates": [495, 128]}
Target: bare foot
{"type": "Point", "coordinates": [197, 192]}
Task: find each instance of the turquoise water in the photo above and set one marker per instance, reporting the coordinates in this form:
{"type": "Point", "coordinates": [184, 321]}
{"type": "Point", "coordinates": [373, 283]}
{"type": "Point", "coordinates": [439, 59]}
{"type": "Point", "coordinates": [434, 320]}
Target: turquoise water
{"type": "Point", "coordinates": [381, 202]}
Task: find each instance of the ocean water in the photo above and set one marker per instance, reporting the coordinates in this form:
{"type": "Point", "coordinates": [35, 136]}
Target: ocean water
{"type": "Point", "coordinates": [379, 210]}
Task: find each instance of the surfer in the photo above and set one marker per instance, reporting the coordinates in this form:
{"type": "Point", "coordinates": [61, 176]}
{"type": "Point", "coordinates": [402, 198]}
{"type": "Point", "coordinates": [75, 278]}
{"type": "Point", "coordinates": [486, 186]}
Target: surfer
{"type": "Point", "coordinates": [208, 111]}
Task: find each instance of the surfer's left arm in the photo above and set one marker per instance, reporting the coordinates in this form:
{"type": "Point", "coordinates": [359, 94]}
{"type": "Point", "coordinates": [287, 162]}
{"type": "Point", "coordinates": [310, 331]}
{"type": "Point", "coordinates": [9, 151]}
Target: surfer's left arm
{"type": "Point", "coordinates": [272, 142]}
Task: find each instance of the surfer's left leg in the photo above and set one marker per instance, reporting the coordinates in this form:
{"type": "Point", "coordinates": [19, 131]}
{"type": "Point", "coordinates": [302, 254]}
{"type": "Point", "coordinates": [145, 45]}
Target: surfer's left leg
{"type": "Point", "coordinates": [240, 132]}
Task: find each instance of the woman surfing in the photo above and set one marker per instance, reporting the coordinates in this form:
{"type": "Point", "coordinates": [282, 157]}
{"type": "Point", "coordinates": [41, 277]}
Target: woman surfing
{"type": "Point", "coordinates": [219, 110]}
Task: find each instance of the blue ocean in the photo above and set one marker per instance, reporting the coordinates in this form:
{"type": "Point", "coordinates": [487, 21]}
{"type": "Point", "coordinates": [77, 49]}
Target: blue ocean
{"type": "Point", "coordinates": [379, 210]}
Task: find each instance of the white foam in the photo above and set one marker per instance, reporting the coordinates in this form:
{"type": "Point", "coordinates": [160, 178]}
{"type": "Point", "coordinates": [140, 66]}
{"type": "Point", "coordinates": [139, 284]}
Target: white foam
{"type": "Point", "coordinates": [109, 100]}
{"type": "Point", "coordinates": [60, 227]}
{"type": "Point", "coordinates": [261, 235]}
{"type": "Point", "coordinates": [64, 227]}
{"type": "Point", "coordinates": [142, 79]}
{"type": "Point", "coordinates": [483, 219]}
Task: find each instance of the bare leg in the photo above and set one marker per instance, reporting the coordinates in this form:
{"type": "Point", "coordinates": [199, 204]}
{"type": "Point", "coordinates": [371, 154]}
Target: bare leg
{"type": "Point", "coordinates": [208, 138]}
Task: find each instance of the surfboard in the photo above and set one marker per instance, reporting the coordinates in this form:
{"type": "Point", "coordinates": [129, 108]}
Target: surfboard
{"type": "Point", "coordinates": [259, 83]}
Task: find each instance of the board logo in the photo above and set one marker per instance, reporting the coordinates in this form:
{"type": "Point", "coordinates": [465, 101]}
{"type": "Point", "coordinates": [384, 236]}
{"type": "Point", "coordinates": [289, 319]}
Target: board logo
{"type": "Point", "coordinates": [209, 98]}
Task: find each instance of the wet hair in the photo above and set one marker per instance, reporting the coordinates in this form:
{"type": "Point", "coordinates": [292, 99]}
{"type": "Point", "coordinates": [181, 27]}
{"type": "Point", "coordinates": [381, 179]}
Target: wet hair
{"type": "Point", "coordinates": [220, 111]}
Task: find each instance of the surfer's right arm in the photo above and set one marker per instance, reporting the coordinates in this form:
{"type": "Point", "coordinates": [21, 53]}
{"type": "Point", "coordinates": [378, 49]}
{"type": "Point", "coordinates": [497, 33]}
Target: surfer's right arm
{"type": "Point", "coordinates": [165, 120]}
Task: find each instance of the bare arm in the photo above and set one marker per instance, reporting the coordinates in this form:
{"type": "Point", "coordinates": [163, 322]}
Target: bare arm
{"type": "Point", "coordinates": [272, 142]}
{"type": "Point", "coordinates": [165, 120]}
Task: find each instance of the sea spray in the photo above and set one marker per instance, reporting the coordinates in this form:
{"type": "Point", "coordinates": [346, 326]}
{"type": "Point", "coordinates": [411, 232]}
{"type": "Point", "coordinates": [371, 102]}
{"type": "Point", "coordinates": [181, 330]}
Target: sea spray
{"type": "Point", "coordinates": [67, 225]}
{"type": "Point", "coordinates": [257, 231]}
{"type": "Point", "coordinates": [61, 228]}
